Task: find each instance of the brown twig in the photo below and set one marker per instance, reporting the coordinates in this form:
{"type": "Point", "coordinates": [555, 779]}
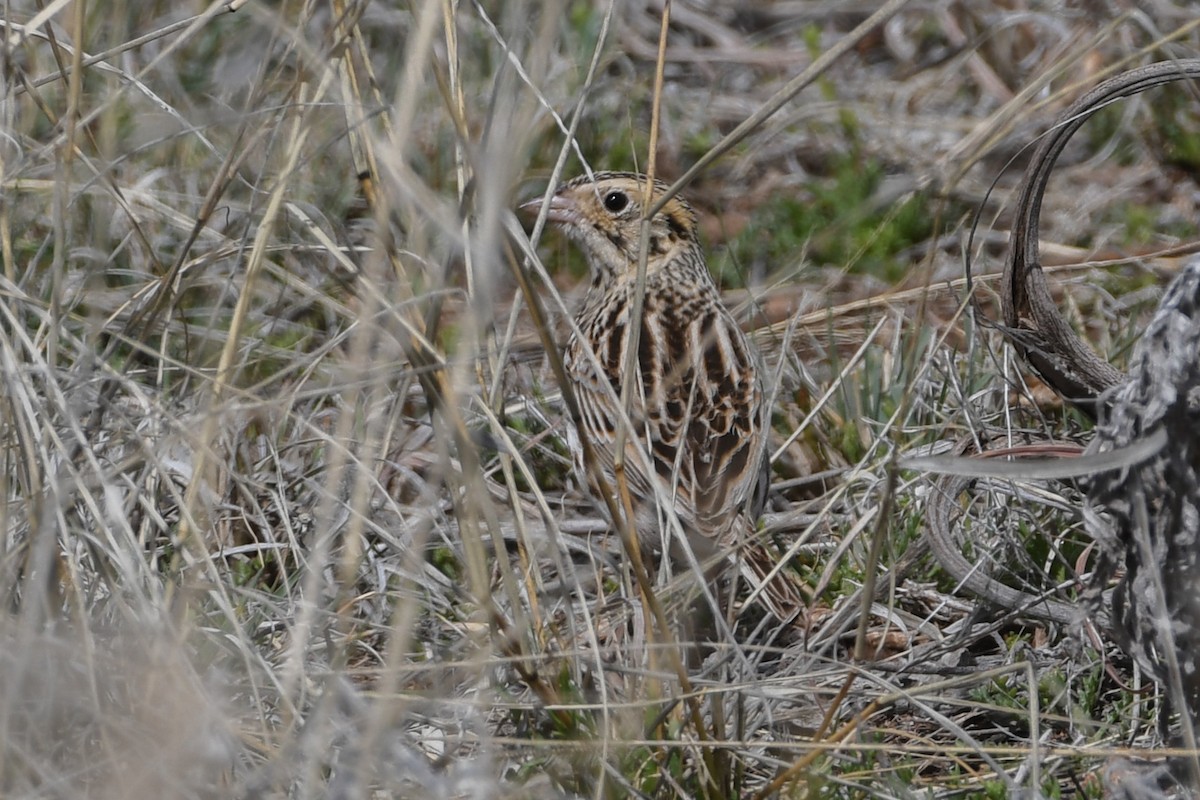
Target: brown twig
{"type": "Point", "coordinates": [1035, 326]}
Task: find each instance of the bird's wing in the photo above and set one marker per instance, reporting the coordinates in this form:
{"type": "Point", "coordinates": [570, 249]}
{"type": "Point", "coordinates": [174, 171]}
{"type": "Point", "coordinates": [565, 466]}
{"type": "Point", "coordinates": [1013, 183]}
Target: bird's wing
{"type": "Point", "coordinates": [706, 411]}
{"type": "Point", "coordinates": [600, 416]}
{"type": "Point", "coordinates": [723, 436]}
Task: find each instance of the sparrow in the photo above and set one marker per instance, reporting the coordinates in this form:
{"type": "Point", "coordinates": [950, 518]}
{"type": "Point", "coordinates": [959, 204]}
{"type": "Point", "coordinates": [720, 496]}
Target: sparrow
{"type": "Point", "coordinates": [698, 420]}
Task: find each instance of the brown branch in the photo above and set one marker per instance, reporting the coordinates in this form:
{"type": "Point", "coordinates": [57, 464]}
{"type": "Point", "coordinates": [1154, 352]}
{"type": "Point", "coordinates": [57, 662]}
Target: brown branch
{"type": "Point", "coordinates": [1035, 325]}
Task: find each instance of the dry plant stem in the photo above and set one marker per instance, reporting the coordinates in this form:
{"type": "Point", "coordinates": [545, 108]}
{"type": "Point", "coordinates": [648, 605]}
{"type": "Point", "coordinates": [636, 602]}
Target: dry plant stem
{"type": "Point", "coordinates": [960, 474]}
{"type": "Point", "coordinates": [400, 123]}
{"type": "Point", "coordinates": [10, 91]}
{"type": "Point", "coordinates": [569, 142]}
{"type": "Point", "coordinates": [1023, 102]}
{"type": "Point", "coordinates": [834, 387]}
{"type": "Point", "coordinates": [625, 519]}
{"type": "Point", "coordinates": [452, 95]}
{"type": "Point", "coordinates": [367, 168]}
{"type": "Point", "coordinates": [363, 157]}
{"type": "Point", "coordinates": [510, 646]}
{"type": "Point", "coordinates": [547, 515]}
{"type": "Point", "coordinates": [63, 179]}
{"type": "Point", "coordinates": [1048, 460]}
{"type": "Point", "coordinates": [535, 624]}
{"type": "Point", "coordinates": [790, 90]}
{"type": "Point", "coordinates": [550, 15]}
{"type": "Point", "coordinates": [404, 618]}
{"type": "Point", "coordinates": [424, 356]}
{"type": "Point", "coordinates": [98, 58]}
{"type": "Point", "coordinates": [871, 572]}
{"type": "Point", "coordinates": [656, 106]}
{"type": "Point", "coordinates": [884, 519]}
{"type": "Point", "coordinates": [396, 134]}
{"type": "Point", "coordinates": [885, 299]}
{"type": "Point", "coordinates": [512, 641]}
{"type": "Point", "coordinates": [1036, 326]}
{"type": "Point", "coordinates": [501, 356]}
{"type": "Point", "coordinates": [30, 87]}
{"type": "Point", "coordinates": [553, 355]}
{"type": "Point", "coordinates": [6, 243]}
{"type": "Point", "coordinates": [42, 17]}
{"type": "Point", "coordinates": [869, 590]}
{"type": "Point", "coordinates": [361, 346]}
{"type": "Point", "coordinates": [450, 86]}
{"type": "Point", "coordinates": [835, 705]}
{"type": "Point", "coordinates": [166, 288]}
{"type": "Point", "coordinates": [802, 765]}
{"type": "Point", "coordinates": [510, 114]}
{"type": "Point", "coordinates": [40, 559]}
{"type": "Point", "coordinates": [834, 563]}
{"type": "Point", "coordinates": [930, 689]}
{"type": "Point", "coordinates": [225, 365]}
{"type": "Point", "coordinates": [102, 176]}
{"type": "Point", "coordinates": [469, 497]}
{"type": "Point", "coordinates": [1035, 715]}
{"type": "Point", "coordinates": [629, 382]}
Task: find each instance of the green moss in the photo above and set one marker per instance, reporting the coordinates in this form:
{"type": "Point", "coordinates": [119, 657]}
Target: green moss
{"type": "Point", "coordinates": [1107, 128]}
{"type": "Point", "coordinates": [1140, 224]}
{"type": "Point", "coordinates": [545, 454]}
{"type": "Point", "coordinates": [836, 223]}
{"type": "Point", "coordinates": [585, 20]}
{"type": "Point", "coordinates": [445, 562]}
{"type": "Point", "coordinates": [995, 790]}
{"type": "Point", "coordinates": [1119, 283]}
{"type": "Point", "coordinates": [1004, 691]}
{"type": "Point", "coordinates": [1172, 132]}
{"type": "Point", "coordinates": [1177, 128]}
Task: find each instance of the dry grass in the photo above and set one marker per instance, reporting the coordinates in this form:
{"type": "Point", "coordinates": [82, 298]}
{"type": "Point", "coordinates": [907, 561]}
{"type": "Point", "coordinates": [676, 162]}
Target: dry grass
{"type": "Point", "coordinates": [287, 509]}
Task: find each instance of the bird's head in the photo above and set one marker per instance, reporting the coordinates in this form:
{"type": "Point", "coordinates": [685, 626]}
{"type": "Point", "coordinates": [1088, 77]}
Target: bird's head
{"type": "Point", "coordinates": [603, 214]}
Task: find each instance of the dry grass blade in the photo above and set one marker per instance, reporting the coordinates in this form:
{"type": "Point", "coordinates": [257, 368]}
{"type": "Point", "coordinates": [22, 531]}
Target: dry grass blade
{"type": "Point", "coordinates": [1039, 463]}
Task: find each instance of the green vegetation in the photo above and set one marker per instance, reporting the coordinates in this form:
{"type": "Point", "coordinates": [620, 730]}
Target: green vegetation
{"type": "Point", "coordinates": [834, 223]}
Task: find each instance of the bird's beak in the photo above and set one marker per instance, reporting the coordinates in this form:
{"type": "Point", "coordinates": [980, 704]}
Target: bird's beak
{"type": "Point", "coordinates": [561, 210]}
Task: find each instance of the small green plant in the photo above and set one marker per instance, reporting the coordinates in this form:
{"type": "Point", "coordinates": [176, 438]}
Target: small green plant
{"type": "Point", "coordinates": [1176, 122]}
{"type": "Point", "coordinates": [835, 222]}
{"type": "Point", "coordinates": [1107, 128]}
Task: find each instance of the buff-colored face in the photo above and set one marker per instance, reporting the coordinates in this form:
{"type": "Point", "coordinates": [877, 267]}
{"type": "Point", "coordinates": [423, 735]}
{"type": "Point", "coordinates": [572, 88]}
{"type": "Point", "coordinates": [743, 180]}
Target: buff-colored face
{"type": "Point", "coordinates": [603, 214]}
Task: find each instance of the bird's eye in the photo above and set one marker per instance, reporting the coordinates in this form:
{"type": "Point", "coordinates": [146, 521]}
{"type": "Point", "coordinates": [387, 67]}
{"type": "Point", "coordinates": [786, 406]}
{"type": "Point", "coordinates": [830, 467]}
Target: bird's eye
{"type": "Point", "coordinates": [616, 201]}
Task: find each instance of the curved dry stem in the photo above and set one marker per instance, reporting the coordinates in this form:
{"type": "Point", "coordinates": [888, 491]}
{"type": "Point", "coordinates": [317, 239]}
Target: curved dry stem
{"type": "Point", "coordinates": [1034, 324]}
